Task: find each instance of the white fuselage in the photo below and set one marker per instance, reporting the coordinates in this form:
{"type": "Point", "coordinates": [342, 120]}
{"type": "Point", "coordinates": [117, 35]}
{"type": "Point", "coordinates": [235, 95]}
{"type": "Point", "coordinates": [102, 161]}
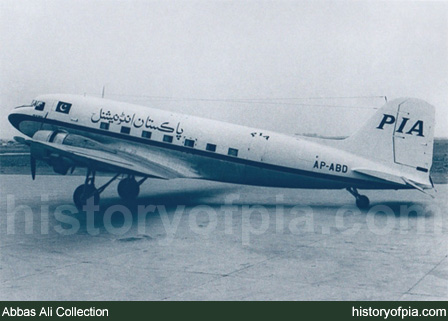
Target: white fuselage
{"type": "Point", "coordinates": [202, 148]}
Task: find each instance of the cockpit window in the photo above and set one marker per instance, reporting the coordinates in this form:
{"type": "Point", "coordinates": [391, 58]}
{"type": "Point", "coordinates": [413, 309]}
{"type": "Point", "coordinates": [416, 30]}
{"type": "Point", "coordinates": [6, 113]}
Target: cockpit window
{"type": "Point", "coordinates": [38, 105]}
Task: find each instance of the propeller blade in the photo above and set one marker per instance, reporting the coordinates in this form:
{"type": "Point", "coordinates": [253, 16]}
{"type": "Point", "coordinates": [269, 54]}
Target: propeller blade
{"type": "Point", "coordinates": [33, 167]}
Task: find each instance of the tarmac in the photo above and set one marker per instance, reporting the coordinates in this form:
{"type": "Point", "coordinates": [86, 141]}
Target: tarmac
{"type": "Point", "coordinates": [200, 240]}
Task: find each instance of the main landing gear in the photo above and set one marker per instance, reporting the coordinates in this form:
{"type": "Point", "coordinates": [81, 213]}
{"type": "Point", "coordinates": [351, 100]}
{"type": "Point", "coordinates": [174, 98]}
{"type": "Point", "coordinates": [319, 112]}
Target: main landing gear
{"type": "Point", "coordinates": [128, 189]}
{"type": "Point", "coordinates": [362, 201]}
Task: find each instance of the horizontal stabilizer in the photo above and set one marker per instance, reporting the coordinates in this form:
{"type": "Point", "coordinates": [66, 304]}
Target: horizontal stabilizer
{"type": "Point", "coordinates": [380, 175]}
{"type": "Point", "coordinates": [414, 185]}
{"type": "Point", "coordinates": [391, 178]}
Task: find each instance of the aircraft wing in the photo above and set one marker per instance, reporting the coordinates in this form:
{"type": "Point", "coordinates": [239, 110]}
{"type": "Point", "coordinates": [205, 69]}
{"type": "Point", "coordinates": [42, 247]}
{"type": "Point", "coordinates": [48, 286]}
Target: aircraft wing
{"type": "Point", "coordinates": [101, 159]}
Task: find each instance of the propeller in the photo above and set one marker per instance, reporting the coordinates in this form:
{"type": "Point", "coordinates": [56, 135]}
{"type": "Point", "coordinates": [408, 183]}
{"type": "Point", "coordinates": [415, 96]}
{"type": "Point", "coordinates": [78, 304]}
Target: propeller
{"type": "Point", "coordinates": [33, 167]}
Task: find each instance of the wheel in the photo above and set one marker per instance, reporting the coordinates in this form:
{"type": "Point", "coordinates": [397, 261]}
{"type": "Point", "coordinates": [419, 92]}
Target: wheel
{"type": "Point", "coordinates": [362, 202]}
{"type": "Point", "coordinates": [83, 193]}
{"type": "Point", "coordinates": [128, 189]}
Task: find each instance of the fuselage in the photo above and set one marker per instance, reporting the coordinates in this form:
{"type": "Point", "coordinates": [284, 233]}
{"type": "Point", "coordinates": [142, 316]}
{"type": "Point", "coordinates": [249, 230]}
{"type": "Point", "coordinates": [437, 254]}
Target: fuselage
{"type": "Point", "coordinates": [197, 147]}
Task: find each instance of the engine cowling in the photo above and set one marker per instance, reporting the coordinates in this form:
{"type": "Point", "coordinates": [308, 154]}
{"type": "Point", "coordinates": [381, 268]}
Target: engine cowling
{"type": "Point", "coordinates": [64, 138]}
{"type": "Point", "coordinates": [62, 164]}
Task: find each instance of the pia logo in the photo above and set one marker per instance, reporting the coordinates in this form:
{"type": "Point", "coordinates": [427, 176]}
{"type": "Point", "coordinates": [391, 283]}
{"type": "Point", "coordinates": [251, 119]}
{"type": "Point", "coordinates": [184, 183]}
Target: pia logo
{"type": "Point", "coordinates": [405, 126]}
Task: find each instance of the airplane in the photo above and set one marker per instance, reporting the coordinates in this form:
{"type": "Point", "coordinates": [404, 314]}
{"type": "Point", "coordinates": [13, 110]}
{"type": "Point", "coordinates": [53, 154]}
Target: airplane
{"type": "Point", "coordinates": [392, 150]}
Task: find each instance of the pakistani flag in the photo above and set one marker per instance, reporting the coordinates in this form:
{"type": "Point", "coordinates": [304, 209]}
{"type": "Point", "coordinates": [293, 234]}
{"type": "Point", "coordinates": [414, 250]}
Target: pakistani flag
{"type": "Point", "coordinates": [63, 107]}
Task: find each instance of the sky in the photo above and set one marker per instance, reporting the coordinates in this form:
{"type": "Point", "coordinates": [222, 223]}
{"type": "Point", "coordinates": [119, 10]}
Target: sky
{"type": "Point", "coordinates": [246, 62]}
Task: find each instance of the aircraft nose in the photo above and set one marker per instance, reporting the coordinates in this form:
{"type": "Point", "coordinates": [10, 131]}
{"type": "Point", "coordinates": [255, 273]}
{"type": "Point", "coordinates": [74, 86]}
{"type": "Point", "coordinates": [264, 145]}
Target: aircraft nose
{"type": "Point", "coordinates": [21, 118]}
{"type": "Point", "coordinates": [14, 119]}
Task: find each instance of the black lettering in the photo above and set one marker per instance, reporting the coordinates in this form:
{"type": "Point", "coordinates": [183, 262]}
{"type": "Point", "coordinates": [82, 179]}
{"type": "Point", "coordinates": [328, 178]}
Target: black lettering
{"type": "Point", "coordinates": [322, 164]}
{"type": "Point", "coordinates": [344, 168]}
{"type": "Point", "coordinates": [403, 123]}
{"type": "Point", "coordinates": [387, 119]}
{"type": "Point", "coordinates": [331, 167]}
{"type": "Point", "coordinates": [418, 127]}
{"type": "Point", "coordinates": [316, 164]}
{"type": "Point", "coordinates": [338, 167]}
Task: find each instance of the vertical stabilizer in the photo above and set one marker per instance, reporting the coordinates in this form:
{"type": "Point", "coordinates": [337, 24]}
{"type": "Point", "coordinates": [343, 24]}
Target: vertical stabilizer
{"type": "Point", "coordinates": [401, 132]}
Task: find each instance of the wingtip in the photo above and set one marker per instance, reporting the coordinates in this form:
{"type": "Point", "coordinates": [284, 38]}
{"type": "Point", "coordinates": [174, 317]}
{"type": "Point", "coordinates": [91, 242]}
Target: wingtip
{"type": "Point", "coordinates": [21, 140]}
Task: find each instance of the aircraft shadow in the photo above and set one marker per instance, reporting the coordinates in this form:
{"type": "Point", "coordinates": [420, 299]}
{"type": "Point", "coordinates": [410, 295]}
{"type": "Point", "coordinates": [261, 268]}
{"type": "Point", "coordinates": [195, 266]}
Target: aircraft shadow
{"type": "Point", "coordinates": [194, 197]}
{"type": "Point", "coordinates": [170, 198]}
{"type": "Point", "coordinates": [402, 208]}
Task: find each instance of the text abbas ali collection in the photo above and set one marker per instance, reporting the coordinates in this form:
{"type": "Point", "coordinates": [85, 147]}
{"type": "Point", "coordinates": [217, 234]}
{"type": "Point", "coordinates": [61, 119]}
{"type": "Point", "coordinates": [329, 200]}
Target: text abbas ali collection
{"type": "Point", "coordinates": [54, 311]}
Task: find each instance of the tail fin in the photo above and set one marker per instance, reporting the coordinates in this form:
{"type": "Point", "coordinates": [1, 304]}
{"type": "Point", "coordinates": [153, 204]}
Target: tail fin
{"type": "Point", "coordinates": [400, 132]}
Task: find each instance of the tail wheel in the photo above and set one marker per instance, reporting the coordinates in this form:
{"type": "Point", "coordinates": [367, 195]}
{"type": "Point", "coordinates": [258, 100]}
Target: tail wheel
{"type": "Point", "coordinates": [362, 202]}
{"type": "Point", "coordinates": [128, 189]}
{"type": "Point", "coordinates": [83, 193]}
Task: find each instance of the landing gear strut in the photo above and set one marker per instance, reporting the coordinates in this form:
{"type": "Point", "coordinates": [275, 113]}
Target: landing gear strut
{"type": "Point", "coordinates": [87, 190]}
{"type": "Point", "coordinates": [362, 201]}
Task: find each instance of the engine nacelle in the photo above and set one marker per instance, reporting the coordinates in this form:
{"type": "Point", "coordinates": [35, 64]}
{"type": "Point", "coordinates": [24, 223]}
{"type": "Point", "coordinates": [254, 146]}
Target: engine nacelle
{"type": "Point", "coordinates": [62, 137]}
{"type": "Point", "coordinates": [62, 164]}
{"type": "Point", "coordinates": [50, 136]}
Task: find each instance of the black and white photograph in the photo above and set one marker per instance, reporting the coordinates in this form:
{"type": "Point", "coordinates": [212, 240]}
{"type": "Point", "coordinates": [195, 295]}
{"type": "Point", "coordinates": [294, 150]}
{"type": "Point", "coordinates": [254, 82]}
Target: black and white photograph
{"type": "Point", "coordinates": [223, 151]}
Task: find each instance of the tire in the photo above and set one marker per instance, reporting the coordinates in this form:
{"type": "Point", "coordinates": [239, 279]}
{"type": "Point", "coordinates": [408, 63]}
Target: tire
{"type": "Point", "coordinates": [83, 193]}
{"type": "Point", "coordinates": [128, 189]}
{"type": "Point", "coordinates": [362, 202]}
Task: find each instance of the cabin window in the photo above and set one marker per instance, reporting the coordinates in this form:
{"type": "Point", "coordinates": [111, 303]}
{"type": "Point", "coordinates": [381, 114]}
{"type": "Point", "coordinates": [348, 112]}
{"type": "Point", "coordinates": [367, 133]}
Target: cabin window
{"type": "Point", "coordinates": [104, 125]}
{"type": "Point", "coordinates": [125, 130]}
{"type": "Point", "coordinates": [146, 134]}
{"type": "Point", "coordinates": [39, 105]}
{"type": "Point", "coordinates": [189, 143]}
{"type": "Point", "coordinates": [233, 152]}
{"type": "Point", "coordinates": [211, 147]}
{"type": "Point", "coordinates": [167, 138]}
